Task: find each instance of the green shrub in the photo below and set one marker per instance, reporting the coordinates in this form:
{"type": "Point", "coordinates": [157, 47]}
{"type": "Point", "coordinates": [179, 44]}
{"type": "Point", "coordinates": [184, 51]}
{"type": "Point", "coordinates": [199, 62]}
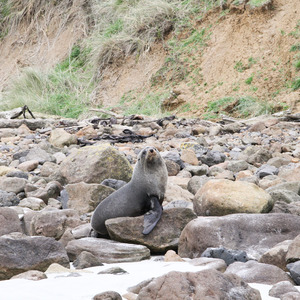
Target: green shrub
{"type": "Point", "coordinates": [296, 84]}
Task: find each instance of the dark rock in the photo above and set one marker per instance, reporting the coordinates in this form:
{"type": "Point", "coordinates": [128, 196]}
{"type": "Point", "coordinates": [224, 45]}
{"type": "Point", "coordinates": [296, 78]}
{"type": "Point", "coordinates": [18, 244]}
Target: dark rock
{"type": "Point", "coordinates": [200, 285]}
{"type": "Point", "coordinates": [8, 199]}
{"type": "Point", "coordinates": [164, 236]}
{"type": "Point", "coordinates": [228, 255]}
{"type": "Point", "coordinates": [255, 272]}
{"type": "Point", "coordinates": [212, 158]}
{"type": "Point", "coordinates": [266, 170]}
{"type": "Point", "coordinates": [109, 295]}
{"type": "Point", "coordinates": [34, 253]}
{"type": "Point", "coordinates": [107, 251]}
{"type": "Point", "coordinates": [254, 233]}
{"type": "Point", "coordinates": [18, 174]}
{"type": "Point", "coordinates": [173, 156]}
{"type": "Point", "coordinates": [288, 208]}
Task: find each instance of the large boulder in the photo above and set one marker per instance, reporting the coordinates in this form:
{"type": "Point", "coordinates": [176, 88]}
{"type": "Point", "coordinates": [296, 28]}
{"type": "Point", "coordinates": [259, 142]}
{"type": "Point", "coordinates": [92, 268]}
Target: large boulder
{"type": "Point", "coordinates": [221, 197]}
{"type": "Point", "coordinates": [207, 284]}
{"type": "Point", "coordinates": [164, 236]}
{"type": "Point", "coordinates": [20, 253]}
{"type": "Point", "coordinates": [93, 164]}
{"type": "Point", "coordinates": [9, 221]}
{"type": "Point", "coordinates": [60, 138]}
{"type": "Point", "coordinates": [85, 197]}
{"type": "Point", "coordinates": [255, 272]}
{"type": "Point", "coordinates": [107, 251]}
{"type": "Point", "coordinates": [254, 233]}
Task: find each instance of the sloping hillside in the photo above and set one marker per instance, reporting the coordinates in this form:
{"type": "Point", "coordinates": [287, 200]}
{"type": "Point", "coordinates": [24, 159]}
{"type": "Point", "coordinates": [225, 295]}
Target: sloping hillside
{"type": "Point", "coordinates": [222, 58]}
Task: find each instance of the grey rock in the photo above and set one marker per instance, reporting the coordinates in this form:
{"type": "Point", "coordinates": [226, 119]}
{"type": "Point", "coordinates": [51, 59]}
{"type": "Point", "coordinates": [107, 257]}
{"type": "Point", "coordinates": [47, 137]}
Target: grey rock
{"type": "Point", "coordinates": [113, 183]}
{"type": "Point", "coordinates": [109, 295]}
{"type": "Point", "coordinates": [8, 199]}
{"type": "Point", "coordinates": [294, 269]}
{"type": "Point", "coordinates": [9, 221]}
{"type": "Point", "coordinates": [164, 236]}
{"type": "Point", "coordinates": [254, 233]}
{"type": "Point", "coordinates": [196, 182]}
{"type": "Point", "coordinates": [281, 288]}
{"type": "Point", "coordinates": [290, 296]}
{"type": "Point", "coordinates": [113, 271]}
{"type": "Point", "coordinates": [38, 154]}
{"type": "Point", "coordinates": [12, 184]}
{"type": "Point", "coordinates": [107, 251]}
{"type": "Point", "coordinates": [173, 156]}
{"type": "Point", "coordinates": [259, 157]}
{"type": "Point", "coordinates": [288, 208]}
{"type": "Point", "coordinates": [179, 204]}
{"type": "Point", "coordinates": [278, 162]}
{"type": "Point", "coordinates": [93, 164]}
{"type": "Point", "coordinates": [209, 263]}
{"type": "Point", "coordinates": [188, 285]}
{"type": "Point", "coordinates": [34, 253]}
{"type": "Point", "coordinates": [228, 255]}
{"type": "Point", "coordinates": [255, 272]}
{"type": "Point", "coordinates": [18, 174]}
{"type": "Point", "coordinates": [212, 158]}
{"type": "Point", "coordinates": [86, 260]}
{"type": "Point", "coordinates": [284, 195]}
{"type": "Point", "coordinates": [197, 170]}
{"type": "Point", "coordinates": [172, 167]}
{"type": "Point", "coordinates": [237, 165]}
{"type": "Point", "coordinates": [266, 170]}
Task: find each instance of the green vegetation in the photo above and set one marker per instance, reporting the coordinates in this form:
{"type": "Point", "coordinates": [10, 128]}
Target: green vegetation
{"type": "Point", "coordinates": [240, 67]}
{"type": "Point", "coordinates": [249, 80]}
{"type": "Point", "coordinates": [64, 91]}
{"type": "Point", "coordinates": [257, 3]}
{"type": "Point", "coordinates": [295, 47]}
{"type": "Point", "coordinates": [243, 106]}
{"type": "Point", "coordinates": [296, 84]}
{"type": "Point", "coordinates": [149, 105]}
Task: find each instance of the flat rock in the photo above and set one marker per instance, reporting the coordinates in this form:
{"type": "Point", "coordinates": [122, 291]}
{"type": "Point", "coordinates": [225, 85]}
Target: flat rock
{"type": "Point", "coordinates": [12, 184]}
{"type": "Point", "coordinates": [255, 272]}
{"type": "Point", "coordinates": [254, 233]}
{"type": "Point", "coordinates": [164, 236]}
{"type": "Point", "coordinates": [9, 221]}
{"type": "Point", "coordinates": [107, 251]}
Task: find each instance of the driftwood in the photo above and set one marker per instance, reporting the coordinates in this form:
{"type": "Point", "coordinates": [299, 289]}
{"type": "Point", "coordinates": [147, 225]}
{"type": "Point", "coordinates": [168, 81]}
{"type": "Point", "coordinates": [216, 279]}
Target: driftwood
{"type": "Point", "coordinates": [15, 113]}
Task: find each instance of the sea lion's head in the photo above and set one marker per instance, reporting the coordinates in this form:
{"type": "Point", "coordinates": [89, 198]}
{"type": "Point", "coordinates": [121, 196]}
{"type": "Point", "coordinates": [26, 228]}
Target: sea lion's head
{"type": "Point", "coordinates": [149, 155]}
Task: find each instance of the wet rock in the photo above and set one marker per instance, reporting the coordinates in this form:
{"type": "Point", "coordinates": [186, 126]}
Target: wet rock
{"type": "Point", "coordinates": [34, 253]}
{"type": "Point", "coordinates": [228, 255]}
{"type": "Point", "coordinates": [221, 196]}
{"type": "Point", "coordinates": [85, 197]}
{"type": "Point", "coordinates": [8, 199]}
{"type": "Point", "coordinates": [9, 221]}
{"type": "Point", "coordinates": [93, 164]}
{"type": "Point", "coordinates": [253, 271]}
{"type": "Point", "coordinates": [164, 236]}
{"type": "Point", "coordinates": [180, 285]}
{"type": "Point", "coordinates": [107, 251]}
{"type": "Point", "coordinates": [294, 269]}
{"type": "Point", "coordinates": [254, 233]}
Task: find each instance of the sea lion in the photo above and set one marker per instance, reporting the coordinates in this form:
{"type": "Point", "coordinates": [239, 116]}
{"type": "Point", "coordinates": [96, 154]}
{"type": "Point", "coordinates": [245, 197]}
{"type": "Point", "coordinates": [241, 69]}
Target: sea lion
{"type": "Point", "coordinates": [143, 194]}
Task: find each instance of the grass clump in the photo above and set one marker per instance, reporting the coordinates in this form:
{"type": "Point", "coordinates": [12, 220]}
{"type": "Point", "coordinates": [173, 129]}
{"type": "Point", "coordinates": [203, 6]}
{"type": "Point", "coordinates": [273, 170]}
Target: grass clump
{"type": "Point", "coordinates": [240, 107]}
{"type": "Point", "coordinates": [296, 84]}
{"type": "Point", "coordinates": [258, 3]}
{"type": "Point", "coordinates": [64, 91]}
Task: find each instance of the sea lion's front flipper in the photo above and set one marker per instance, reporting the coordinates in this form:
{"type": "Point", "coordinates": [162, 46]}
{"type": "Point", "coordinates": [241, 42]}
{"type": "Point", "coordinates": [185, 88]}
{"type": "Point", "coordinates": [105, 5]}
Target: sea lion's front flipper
{"type": "Point", "coordinates": [152, 216]}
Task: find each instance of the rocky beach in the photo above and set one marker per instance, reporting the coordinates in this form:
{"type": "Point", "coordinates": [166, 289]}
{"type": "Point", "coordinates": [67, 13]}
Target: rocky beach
{"type": "Point", "coordinates": [231, 218]}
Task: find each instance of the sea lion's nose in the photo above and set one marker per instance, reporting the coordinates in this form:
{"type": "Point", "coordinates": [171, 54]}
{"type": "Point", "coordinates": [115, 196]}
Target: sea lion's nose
{"type": "Point", "coordinates": [151, 150]}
